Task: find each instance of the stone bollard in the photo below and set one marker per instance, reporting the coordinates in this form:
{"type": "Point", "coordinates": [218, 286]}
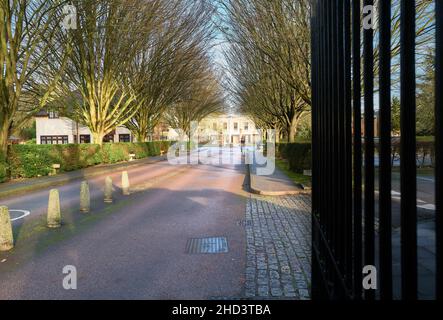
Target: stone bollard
{"type": "Point", "coordinates": [6, 237]}
{"type": "Point", "coordinates": [125, 183]}
{"type": "Point", "coordinates": [108, 190]}
{"type": "Point", "coordinates": [54, 215]}
{"type": "Point", "coordinates": [85, 199]}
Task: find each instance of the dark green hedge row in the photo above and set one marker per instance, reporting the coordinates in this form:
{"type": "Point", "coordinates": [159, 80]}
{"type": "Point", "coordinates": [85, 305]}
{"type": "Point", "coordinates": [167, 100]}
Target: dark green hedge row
{"type": "Point", "coordinates": [3, 171]}
{"type": "Point", "coordinates": [27, 161]}
{"type": "Point", "coordinates": [299, 155]}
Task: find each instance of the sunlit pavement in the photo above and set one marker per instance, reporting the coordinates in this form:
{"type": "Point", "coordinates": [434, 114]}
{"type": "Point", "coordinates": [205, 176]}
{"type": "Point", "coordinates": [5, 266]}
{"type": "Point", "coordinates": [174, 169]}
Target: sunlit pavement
{"type": "Point", "coordinates": [136, 247]}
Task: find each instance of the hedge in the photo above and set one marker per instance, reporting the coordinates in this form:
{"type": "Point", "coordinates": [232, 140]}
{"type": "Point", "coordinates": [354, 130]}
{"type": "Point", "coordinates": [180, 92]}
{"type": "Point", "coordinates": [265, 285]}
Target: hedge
{"type": "Point", "coordinates": [298, 155]}
{"type": "Point", "coordinates": [3, 169]}
{"type": "Point", "coordinates": [28, 161]}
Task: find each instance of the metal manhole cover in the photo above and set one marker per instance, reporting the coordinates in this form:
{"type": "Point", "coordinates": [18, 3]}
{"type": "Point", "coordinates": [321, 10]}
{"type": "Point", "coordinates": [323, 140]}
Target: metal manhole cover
{"type": "Point", "coordinates": [207, 245]}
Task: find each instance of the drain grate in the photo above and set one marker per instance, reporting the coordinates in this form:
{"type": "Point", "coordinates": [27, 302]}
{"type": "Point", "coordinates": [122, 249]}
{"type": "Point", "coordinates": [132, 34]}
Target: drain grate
{"type": "Point", "coordinates": [207, 245]}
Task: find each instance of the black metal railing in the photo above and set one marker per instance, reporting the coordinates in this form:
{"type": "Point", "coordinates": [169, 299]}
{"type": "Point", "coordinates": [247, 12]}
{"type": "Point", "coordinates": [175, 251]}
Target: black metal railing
{"type": "Point", "coordinates": [344, 238]}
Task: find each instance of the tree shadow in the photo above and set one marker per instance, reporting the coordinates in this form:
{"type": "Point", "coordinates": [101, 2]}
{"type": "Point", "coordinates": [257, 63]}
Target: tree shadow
{"type": "Point", "coordinates": [40, 256]}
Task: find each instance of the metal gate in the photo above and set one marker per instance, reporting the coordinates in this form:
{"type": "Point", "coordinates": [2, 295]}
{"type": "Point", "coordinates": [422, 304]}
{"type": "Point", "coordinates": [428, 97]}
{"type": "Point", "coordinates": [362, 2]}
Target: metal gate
{"type": "Point", "coordinates": [344, 237]}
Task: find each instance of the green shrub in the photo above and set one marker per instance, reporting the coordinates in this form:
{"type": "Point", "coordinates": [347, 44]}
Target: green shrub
{"type": "Point", "coordinates": [3, 171]}
{"type": "Point", "coordinates": [27, 161]}
{"type": "Point", "coordinates": [299, 155]}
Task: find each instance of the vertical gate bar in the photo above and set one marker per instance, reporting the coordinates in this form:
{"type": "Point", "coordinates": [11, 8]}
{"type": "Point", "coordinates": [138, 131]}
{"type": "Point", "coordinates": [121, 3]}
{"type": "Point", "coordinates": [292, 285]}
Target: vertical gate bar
{"type": "Point", "coordinates": [408, 151]}
{"type": "Point", "coordinates": [315, 277]}
{"type": "Point", "coordinates": [325, 82]}
{"type": "Point", "coordinates": [340, 137]}
{"type": "Point", "coordinates": [325, 129]}
{"type": "Point", "coordinates": [385, 152]}
{"type": "Point", "coordinates": [320, 112]}
{"type": "Point", "coordinates": [328, 110]}
{"type": "Point", "coordinates": [348, 144]}
{"type": "Point", "coordinates": [369, 232]}
{"type": "Point", "coordinates": [439, 148]}
{"type": "Point", "coordinates": [327, 107]}
{"type": "Point", "coordinates": [357, 214]}
{"type": "Point", "coordinates": [322, 107]}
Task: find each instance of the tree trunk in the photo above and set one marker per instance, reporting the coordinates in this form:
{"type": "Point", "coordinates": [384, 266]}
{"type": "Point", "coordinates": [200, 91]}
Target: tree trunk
{"type": "Point", "coordinates": [4, 137]}
{"type": "Point", "coordinates": [292, 132]}
{"type": "Point", "coordinates": [97, 138]}
{"type": "Point", "coordinates": [293, 128]}
{"type": "Point", "coordinates": [141, 136]}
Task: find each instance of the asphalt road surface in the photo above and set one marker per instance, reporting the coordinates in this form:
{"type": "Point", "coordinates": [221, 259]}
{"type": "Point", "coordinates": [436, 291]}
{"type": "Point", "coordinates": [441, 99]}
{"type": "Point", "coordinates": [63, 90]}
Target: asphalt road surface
{"type": "Point", "coordinates": [134, 248]}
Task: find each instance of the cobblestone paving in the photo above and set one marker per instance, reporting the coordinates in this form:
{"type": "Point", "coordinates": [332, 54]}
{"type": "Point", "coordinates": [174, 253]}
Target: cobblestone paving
{"type": "Point", "coordinates": [278, 262]}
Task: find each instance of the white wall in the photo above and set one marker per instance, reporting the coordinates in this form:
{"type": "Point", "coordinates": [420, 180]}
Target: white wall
{"type": "Point", "coordinates": [206, 129]}
{"type": "Point", "coordinates": [67, 127]}
{"type": "Point", "coordinates": [54, 127]}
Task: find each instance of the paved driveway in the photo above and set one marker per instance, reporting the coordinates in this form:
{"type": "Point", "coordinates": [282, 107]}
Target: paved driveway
{"type": "Point", "coordinates": [135, 248]}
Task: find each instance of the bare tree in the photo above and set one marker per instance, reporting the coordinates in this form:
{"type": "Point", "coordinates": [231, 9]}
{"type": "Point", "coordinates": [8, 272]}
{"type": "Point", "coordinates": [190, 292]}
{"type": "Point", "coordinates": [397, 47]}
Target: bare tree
{"type": "Point", "coordinates": [163, 72]}
{"type": "Point", "coordinates": [203, 97]}
{"type": "Point", "coordinates": [109, 36]}
{"type": "Point", "coordinates": [269, 60]}
{"type": "Point", "coordinates": [26, 38]}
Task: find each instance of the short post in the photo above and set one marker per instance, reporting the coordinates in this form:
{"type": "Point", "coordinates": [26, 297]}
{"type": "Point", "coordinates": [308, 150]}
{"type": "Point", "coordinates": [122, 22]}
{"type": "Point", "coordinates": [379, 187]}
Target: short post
{"type": "Point", "coordinates": [55, 168]}
{"type": "Point", "coordinates": [108, 190]}
{"type": "Point", "coordinates": [85, 199]}
{"type": "Point", "coordinates": [54, 215]}
{"type": "Point", "coordinates": [125, 183]}
{"type": "Point", "coordinates": [131, 156]}
{"type": "Point", "coordinates": [6, 237]}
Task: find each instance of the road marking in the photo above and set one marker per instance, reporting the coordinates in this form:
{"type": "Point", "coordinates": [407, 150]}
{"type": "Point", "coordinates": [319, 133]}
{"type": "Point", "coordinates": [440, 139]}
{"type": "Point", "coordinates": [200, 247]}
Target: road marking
{"type": "Point", "coordinates": [427, 207]}
{"type": "Point", "coordinates": [397, 196]}
{"type": "Point", "coordinates": [426, 179]}
{"type": "Point", "coordinates": [25, 213]}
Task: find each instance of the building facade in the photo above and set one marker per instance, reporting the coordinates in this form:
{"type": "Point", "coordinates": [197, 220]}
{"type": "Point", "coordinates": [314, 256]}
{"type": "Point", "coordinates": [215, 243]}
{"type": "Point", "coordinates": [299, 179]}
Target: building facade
{"type": "Point", "coordinates": [52, 129]}
{"type": "Point", "coordinates": [224, 130]}
{"type": "Point", "coordinates": [218, 130]}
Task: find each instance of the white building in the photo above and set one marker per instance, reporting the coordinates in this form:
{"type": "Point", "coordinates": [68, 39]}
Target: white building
{"type": "Point", "coordinates": [52, 129]}
{"type": "Point", "coordinates": [224, 130]}
{"type": "Point", "coordinates": [219, 129]}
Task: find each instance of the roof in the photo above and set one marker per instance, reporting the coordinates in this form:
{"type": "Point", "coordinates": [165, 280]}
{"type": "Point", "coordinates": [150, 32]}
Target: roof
{"type": "Point", "coordinates": [42, 113]}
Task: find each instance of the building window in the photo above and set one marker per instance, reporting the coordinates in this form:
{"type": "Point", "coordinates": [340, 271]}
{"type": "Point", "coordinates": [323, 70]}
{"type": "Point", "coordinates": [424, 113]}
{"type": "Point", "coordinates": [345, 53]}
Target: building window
{"type": "Point", "coordinates": [54, 139]}
{"type": "Point", "coordinates": [85, 138]}
{"type": "Point", "coordinates": [109, 137]}
{"type": "Point", "coordinates": [53, 115]}
{"type": "Point", "coordinates": [225, 126]}
{"type": "Point", "coordinates": [124, 138]}
{"type": "Point", "coordinates": [246, 126]}
{"type": "Point", "coordinates": [235, 125]}
{"type": "Point", "coordinates": [214, 126]}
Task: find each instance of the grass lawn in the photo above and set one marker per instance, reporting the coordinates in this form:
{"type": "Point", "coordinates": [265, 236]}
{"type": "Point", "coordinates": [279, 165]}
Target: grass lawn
{"type": "Point", "coordinates": [296, 177]}
{"type": "Point", "coordinates": [420, 171]}
{"type": "Point", "coordinates": [425, 138]}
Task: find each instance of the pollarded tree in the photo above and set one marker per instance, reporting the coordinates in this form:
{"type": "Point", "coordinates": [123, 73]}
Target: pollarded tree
{"type": "Point", "coordinates": [108, 37]}
{"type": "Point", "coordinates": [269, 59]}
{"type": "Point", "coordinates": [26, 40]}
{"type": "Point", "coordinates": [262, 93]}
{"type": "Point", "coordinates": [203, 97]}
{"type": "Point", "coordinates": [162, 72]}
